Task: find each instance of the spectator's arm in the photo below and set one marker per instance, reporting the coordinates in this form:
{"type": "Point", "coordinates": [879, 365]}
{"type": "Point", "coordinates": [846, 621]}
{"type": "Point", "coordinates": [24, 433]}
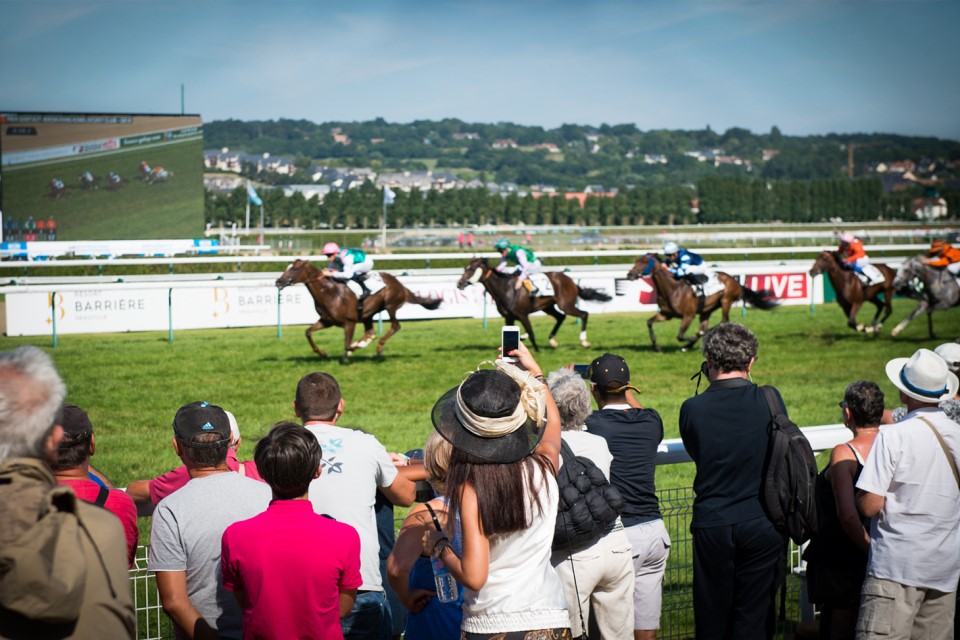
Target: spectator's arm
{"type": "Point", "coordinates": [139, 490]}
{"type": "Point", "coordinates": [172, 586]}
{"type": "Point", "coordinates": [413, 471]}
{"type": "Point", "coordinates": [472, 570]}
{"type": "Point", "coordinates": [348, 598]}
{"type": "Point", "coordinates": [404, 556]}
{"type": "Point", "coordinates": [869, 504]}
{"type": "Point", "coordinates": [843, 467]}
{"type": "Point", "coordinates": [401, 491]}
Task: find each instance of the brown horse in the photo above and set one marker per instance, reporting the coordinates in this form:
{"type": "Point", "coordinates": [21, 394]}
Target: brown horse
{"type": "Point", "coordinates": [337, 305]}
{"type": "Point", "coordinates": [516, 305]}
{"type": "Point", "coordinates": [677, 299]}
{"type": "Point", "coordinates": [851, 294]}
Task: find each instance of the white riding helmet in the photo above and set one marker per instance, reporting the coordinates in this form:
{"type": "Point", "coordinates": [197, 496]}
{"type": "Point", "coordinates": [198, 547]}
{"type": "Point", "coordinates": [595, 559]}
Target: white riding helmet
{"type": "Point", "coordinates": [331, 248]}
{"type": "Point", "coordinates": [846, 237]}
{"type": "Point", "coordinates": [670, 247]}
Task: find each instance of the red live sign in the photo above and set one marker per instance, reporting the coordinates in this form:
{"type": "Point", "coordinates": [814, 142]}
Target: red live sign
{"type": "Point", "coordinates": [785, 286]}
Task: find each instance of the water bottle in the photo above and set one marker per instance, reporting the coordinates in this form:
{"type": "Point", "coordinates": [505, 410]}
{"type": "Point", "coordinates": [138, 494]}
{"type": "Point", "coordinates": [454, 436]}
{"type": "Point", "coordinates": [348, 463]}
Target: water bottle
{"type": "Point", "coordinates": [445, 582]}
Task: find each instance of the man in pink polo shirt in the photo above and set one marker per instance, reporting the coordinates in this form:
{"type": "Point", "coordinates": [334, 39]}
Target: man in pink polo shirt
{"type": "Point", "coordinates": [73, 468]}
{"type": "Point", "coordinates": [260, 555]}
{"type": "Point", "coordinates": [147, 493]}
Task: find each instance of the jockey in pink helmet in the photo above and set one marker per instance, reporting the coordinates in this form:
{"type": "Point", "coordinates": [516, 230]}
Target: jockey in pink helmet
{"type": "Point", "coordinates": [348, 264]}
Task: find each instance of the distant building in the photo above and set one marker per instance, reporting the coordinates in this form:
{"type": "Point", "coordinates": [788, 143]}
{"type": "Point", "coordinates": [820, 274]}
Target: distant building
{"type": "Point", "coordinates": [504, 144]}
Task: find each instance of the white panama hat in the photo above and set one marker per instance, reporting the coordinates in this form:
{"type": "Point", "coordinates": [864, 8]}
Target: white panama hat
{"type": "Point", "coordinates": [950, 351]}
{"type": "Point", "coordinates": [924, 376]}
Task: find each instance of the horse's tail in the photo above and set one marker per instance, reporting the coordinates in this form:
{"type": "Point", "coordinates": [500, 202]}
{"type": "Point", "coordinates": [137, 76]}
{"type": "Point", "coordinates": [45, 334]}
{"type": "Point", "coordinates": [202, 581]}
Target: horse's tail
{"type": "Point", "coordinates": [763, 299]}
{"type": "Point", "coordinates": [586, 293]}
{"type": "Point", "coordinates": [430, 304]}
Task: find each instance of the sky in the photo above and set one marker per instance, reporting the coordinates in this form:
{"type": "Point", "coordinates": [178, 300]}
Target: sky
{"type": "Point", "coordinates": [807, 67]}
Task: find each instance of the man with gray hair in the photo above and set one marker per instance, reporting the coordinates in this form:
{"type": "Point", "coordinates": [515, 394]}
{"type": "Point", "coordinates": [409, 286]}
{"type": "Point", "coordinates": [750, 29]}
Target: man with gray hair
{"type": "Point", "coordinates": [910, 488]}
{"type": "Point", "coordinates": [736, 549]}
{"type": "Point", "coordinates": [63, 565]}
{"type": "Point", "coordinates": [597, 575]}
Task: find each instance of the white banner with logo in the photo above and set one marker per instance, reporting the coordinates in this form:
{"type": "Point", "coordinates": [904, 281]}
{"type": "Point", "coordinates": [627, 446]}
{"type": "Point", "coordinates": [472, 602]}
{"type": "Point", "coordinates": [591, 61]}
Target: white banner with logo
{"type": "Point", "coordinates": [153, 306]}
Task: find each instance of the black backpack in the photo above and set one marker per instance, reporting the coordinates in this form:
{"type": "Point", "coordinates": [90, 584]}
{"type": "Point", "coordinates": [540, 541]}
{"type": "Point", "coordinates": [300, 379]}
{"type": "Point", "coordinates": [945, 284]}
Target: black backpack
{"type": "Point", "coordinates": [589, 504]}
{"type": "Point", "coordinates": [789, 476]}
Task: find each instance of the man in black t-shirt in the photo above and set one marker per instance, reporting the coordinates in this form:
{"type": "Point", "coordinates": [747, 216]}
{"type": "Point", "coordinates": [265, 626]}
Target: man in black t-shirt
{"type": "Point", "coordinates": [736, 550]}
{"type": "Point", "coordinates": [633, 434]}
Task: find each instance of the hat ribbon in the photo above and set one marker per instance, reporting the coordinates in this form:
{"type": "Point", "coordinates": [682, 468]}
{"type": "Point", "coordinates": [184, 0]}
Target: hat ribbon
{"type": "Point", "coordinates": [486, 427]}
{"type": "Point", "coordinates": [915, 389]}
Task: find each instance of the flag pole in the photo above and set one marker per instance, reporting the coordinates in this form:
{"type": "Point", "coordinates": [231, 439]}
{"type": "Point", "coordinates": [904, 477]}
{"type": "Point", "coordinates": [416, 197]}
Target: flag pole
{"type": "Point", "coordinates": [248, 207]}
{"type": "Point", "coordinates": [383, 222]}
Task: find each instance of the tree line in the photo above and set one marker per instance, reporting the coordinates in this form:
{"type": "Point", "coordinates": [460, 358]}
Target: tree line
{"type": "Point", "coordinates": [715, 199]}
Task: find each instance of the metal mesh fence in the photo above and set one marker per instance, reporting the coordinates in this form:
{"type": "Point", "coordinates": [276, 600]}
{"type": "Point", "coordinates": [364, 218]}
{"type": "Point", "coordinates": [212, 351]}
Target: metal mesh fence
{"type": "Point", "coordinates": [676, 619]}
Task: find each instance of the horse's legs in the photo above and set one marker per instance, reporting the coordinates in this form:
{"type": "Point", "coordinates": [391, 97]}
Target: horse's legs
{"type": "Point", "coordinates": [525, 321]}
{"type": "Point", "coordinates": [316, 326]}
{"type": "Point", "coordinates": [348, 328]}
{"type": "Point", "coordinates": [852, 316]}
{"type": "Point", "coordinates": [903, 323]}
{"type": "Point", "coordinates": [930, 323]}
{"type": "Point", "coordinates": [653, 338]}
{"type": "Point", "coordinates": [684, 325]}
{"type": "Point", "coordinates": [394, 327]}
{"type": "Point", "coordinates": [559, 316]}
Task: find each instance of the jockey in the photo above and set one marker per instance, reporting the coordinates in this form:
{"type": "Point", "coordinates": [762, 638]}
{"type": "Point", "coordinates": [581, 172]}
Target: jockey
{"type": "Point", "coordinates": [684, 265]}
{"type": "Point", "coordinates": [852, 253]}
{"type": "Point", "coordinates": [943, 255]}
{"type": "Point", "coordinates": [527, 264]}
{"type": "Point", "coordinates": [348, 264]}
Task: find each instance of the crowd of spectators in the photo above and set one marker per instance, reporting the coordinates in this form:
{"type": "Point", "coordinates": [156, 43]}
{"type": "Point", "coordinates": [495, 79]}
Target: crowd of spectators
{"type": "Point", "coordinates": [230, 540]}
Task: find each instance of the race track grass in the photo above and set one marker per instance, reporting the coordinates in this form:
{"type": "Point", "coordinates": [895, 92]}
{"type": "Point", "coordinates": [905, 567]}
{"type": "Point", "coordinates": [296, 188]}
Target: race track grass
{"type": "Point", "coordinates": [132, 384]}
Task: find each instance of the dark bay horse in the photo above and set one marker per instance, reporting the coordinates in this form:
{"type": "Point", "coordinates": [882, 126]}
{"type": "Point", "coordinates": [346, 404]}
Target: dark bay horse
{"type": "Point", "coordinates": [851, 294]}
{"type": "Point", "coordinates": [938, 290]}
{"type": "Point", "coordinates": [516, 305]}
{"type": "Point", "coordinates": [677, 299]}
{"type": "Point", "coordinates": [337, 305]}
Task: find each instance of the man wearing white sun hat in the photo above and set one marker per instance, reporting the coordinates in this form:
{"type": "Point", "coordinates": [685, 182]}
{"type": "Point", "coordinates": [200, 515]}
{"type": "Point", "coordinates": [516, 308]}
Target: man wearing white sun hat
{"type": "Point", "coordinates": [910, 487]}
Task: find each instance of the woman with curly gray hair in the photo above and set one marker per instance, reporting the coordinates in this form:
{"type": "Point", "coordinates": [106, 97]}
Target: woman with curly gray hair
{"type": "Point", "coordinates": [598, 574]}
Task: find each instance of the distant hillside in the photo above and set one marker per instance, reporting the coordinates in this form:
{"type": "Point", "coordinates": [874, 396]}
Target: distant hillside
{"type": "Point", "coordinates": [573, 156]}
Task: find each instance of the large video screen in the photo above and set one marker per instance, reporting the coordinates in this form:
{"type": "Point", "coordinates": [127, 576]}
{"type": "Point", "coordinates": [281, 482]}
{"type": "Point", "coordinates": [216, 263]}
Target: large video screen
{"type": "Point", "coordinates": [102, 176]}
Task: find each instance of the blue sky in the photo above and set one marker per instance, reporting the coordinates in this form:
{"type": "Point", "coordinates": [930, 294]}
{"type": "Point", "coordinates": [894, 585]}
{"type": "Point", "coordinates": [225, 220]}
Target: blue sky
{"type": "Point", "coordinates": [808, 67]}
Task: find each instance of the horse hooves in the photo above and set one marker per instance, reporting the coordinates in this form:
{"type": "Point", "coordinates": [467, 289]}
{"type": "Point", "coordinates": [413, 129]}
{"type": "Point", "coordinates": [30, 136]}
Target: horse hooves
{"type": "Point", "coordinates": [859, 327]}
{"type": "Point", "coordinates": [554, 343]}
{"type": "Point", "coordinates": [586, 345]}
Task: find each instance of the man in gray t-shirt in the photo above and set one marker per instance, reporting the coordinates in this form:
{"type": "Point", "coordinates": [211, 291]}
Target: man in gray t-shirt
{"type": "Point", "coordinates": [188, 526]}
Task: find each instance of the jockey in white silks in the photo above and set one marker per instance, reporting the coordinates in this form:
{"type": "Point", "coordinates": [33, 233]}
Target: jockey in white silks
{"type": "Point", "coordinates": [348, 264]}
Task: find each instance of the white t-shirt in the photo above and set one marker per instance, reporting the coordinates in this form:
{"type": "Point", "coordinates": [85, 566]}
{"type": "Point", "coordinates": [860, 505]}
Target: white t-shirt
{"type": "Point", "coordinates": [589, 446]}
{"type": "Point", "coordinates": [185, 536]}
{"type": "Point", "coordinates": [523, 591]}
{"type": "Point", "coordinates": [355, 464]}
{"type": "Point", "coordinates": [914, 540]}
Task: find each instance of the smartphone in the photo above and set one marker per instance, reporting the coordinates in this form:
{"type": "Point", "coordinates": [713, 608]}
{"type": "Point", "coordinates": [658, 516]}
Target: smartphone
{"type": "Point", "coordinates": [509, 341]}
{"type": "Point", "coordinates": [583, 370]}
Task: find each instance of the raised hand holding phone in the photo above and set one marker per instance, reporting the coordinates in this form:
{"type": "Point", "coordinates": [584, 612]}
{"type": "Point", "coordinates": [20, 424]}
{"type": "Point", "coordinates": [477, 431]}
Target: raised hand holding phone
{"type": "Point", "coordinates": [509, 342]}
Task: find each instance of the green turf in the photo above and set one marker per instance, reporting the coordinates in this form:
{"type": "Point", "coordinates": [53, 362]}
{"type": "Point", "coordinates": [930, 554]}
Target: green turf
{"type": "Point", "coordinates": [171, 209]}
{"type": "Point", "coordinates": [132, 384]}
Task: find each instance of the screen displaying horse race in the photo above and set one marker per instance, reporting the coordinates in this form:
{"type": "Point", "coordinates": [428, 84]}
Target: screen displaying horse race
{"type": "Point", "coordinates": [73, 176]}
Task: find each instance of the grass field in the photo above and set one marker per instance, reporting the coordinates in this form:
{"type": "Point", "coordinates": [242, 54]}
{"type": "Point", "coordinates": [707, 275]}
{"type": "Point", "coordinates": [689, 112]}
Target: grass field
{"type": "Point", "coordinates": [172, 209]}
{"type": "Point", "coordinates": [132, 384]}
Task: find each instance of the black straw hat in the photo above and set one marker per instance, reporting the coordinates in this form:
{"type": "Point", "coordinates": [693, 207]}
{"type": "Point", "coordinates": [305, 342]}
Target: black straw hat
{"type": "Point", "coordinates": [487, 394]}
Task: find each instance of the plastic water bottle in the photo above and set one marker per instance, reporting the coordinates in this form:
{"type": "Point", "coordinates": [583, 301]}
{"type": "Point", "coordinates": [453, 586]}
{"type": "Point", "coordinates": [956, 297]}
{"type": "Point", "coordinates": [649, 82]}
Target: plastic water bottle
{"type": "Point", "coordinates": [445, 582]}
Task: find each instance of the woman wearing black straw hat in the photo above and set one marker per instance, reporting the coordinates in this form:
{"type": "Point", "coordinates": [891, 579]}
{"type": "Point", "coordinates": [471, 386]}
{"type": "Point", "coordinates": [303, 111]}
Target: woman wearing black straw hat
{"type": "Point", "coordinates": [505, 430]}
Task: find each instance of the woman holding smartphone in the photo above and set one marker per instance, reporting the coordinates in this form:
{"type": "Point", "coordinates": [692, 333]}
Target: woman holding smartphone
{"type": "Point", "coordinates": [505, 431]}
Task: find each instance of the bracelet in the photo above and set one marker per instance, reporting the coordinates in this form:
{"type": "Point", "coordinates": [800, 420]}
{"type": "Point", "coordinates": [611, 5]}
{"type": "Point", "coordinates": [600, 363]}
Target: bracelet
{"type": "Point", "coordinates": [541, 378]}
{"type": "Point", "coordinates": [439, 547]}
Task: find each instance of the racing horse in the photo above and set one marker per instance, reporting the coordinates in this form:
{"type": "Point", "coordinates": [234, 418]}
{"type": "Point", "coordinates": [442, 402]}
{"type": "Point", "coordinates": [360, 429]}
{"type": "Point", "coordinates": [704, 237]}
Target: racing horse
{"type": "Point", "coordinates": [937, 290]}
{"type": "Point", "coordinates": [677, 299]}
{"type": "Point", "coordinates": [152, 175]}
{"type": "Point", "coordinates": [87, 180]}
{"type": "Point", "coordinates": [851, 294]}
{"type": "Point", "coordinates": [57, 188]}
{"type": "Point", "coordinates": [337, 305]}
{"type": "Point", "coordinates": [516, 305]}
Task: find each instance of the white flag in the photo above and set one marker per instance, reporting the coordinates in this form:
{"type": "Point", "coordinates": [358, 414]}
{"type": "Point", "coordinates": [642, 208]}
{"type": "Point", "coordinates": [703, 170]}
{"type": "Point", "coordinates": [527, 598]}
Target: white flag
{"type": "Point", "coordinates": [388, 195]}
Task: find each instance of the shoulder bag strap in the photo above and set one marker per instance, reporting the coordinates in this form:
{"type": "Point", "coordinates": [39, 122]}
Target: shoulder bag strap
{"type": "Point", "coordinates": [771, 396]}
{"type": "Point", "coordinates": [102, 496]}
{"type": "Point", "coordinates": [946, 452]}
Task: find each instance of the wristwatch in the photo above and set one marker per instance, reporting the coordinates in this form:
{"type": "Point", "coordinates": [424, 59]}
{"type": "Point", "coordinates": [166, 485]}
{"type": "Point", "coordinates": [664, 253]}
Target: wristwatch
{"type": "Point", "coordinates": [439, 547]}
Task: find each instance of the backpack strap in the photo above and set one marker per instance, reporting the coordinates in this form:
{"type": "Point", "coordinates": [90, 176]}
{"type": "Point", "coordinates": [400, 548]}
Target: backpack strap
{"type": "Point", "coordinates": [102, 496]}
{"type": "Point", "coordinates": [771, 396]}
{"type": "Point", "coordinates": [566, 452]}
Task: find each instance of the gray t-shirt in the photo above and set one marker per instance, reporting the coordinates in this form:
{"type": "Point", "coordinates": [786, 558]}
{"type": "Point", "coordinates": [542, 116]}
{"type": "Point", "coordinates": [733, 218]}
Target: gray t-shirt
{"type": "Point", "coordinates": [187, 527]}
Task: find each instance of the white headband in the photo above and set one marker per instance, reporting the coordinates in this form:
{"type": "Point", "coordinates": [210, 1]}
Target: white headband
{"type": "Point", "coordinates": [532, 405]}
